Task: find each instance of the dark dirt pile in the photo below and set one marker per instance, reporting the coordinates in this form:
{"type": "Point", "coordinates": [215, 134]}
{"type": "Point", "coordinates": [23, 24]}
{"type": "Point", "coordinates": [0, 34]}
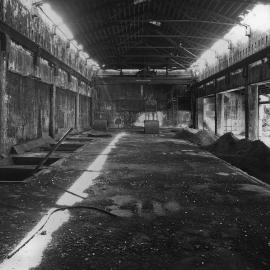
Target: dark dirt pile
{"type": "Point", "coordinates": [226, 144]}
{"type": "Point", "coordinates": [200, 137]}
{"type": "Point", "coordinates": [250, 156]}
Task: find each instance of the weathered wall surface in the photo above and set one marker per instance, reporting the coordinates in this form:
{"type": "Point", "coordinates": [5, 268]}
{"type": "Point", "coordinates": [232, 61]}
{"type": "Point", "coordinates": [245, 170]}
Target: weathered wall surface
{"type": "Point", "coordinates": [28, 98]}
{"type": "Point", "coordinates": [21, 18]}
{"type": "Point", "coordinates": [28, 109]}
{"type": "Point", "coordinates": [85, 112]}
{"type": "Point", "coordinates": [209, 114]}
{"type": "Point", "coordinates": [28, 103]}
{"type": "Point", "coordinates": [65, 109]}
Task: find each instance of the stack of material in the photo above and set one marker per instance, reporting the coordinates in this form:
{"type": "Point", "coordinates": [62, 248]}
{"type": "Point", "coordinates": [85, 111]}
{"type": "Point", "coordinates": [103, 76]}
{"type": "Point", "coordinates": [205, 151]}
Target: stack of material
{"type": "Point", "coordinates": [250, 156]}
{"type": "Point", "coordinates": [97, 134]}
{"type": "Point", "coordinates": [151, 126]}
{"type": "Point", "coordinates": [44, 141]}
{"type": "Point", "coordinates": [101, 125]}
{"type": "Point", "coordinates": [200, 137]}
{"type": "Point", "coordinates": [226, 144]}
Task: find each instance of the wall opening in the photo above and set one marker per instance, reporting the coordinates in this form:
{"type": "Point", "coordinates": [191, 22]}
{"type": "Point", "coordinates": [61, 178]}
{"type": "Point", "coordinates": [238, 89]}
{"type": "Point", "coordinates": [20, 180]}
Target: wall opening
{"type": "Point", "coordinates": [234, 113]}
{"type": "Point", "coordinates": [264, 114]}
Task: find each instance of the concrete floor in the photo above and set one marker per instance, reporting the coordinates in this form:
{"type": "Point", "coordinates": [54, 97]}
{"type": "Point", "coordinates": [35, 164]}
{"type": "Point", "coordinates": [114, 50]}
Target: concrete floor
{"type": "Point", "coordinates": [178, 206]}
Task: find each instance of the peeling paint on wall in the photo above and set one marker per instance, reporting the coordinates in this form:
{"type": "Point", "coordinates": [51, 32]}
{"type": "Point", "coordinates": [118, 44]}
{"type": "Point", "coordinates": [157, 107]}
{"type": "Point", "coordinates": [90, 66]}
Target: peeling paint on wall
{"type": "Point", "coordinates": [28, 108]}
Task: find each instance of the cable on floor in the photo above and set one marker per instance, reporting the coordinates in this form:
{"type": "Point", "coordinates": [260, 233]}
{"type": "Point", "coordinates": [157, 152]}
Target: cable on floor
{"type": "Point", "coordinates": [53, 211]}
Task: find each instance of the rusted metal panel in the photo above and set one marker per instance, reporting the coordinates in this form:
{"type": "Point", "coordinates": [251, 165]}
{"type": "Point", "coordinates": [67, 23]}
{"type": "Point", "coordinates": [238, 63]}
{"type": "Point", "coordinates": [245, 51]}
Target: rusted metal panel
{"type": "Point", "coordinates": [28, 108]}
{"type": "Point", "coordinates": [85, 112]}
{"type": "Point", "coordinates": [65, 109]}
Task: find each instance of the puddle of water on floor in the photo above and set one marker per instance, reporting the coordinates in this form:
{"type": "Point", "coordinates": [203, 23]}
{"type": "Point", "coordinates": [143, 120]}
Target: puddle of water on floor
{"type": "Point", "coordinates": [122, 199]}
{"type": "Point", "coordinates": [146, 209]}
{"type": "Point", "coordinates": [201, 187]}
{"type": "Point", "coordinates": [155, 209]}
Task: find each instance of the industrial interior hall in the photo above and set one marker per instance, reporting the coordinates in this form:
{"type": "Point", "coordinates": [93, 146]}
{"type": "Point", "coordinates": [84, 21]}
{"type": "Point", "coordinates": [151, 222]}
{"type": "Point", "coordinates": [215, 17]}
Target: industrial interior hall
{"type": "Point", "coordinates": [135, 134]}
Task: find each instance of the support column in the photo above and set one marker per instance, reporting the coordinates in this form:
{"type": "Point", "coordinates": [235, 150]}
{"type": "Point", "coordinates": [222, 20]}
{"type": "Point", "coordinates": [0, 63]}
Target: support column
{"type": "Point", "coordinates": [200, 113]}
{"type": "Point", "coordinates": [193, 107]}
{"type": "Point", "coordinates": [52, 128]}
{"type": "Point", "coordinates": [77, 110]}
{"type": "Point", "coordinates": [219, 114]}
{"type": "Point", "coordinates": [245, 75]}
{"type": "Point", "coordinates": [216, 120]}
{"type": "Point", "coordinates": [36, 74]}
{"type": "Point", "coordinates": [253, 112]}
{"type": "Point", "coordinates": [4, 52]}
{"type": "Point", "coordinates": [92, 111]}
{"type": "Point", "coordinates": [36, 64]}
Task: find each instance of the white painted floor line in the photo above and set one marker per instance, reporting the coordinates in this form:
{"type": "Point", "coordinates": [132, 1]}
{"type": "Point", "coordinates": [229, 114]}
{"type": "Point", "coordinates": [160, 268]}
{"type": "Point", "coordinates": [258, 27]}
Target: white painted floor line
{"type": "Point", "coordinates": [30, 255]}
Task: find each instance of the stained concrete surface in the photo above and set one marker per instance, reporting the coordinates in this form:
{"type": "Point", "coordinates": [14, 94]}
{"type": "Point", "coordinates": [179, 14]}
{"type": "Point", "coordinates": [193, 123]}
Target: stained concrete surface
{"type": "Point", "coordinates": [179, 208]}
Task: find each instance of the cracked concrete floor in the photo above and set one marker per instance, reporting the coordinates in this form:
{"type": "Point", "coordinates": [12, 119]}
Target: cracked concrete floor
{"type": "Point", "coordinates": [179, 207]}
